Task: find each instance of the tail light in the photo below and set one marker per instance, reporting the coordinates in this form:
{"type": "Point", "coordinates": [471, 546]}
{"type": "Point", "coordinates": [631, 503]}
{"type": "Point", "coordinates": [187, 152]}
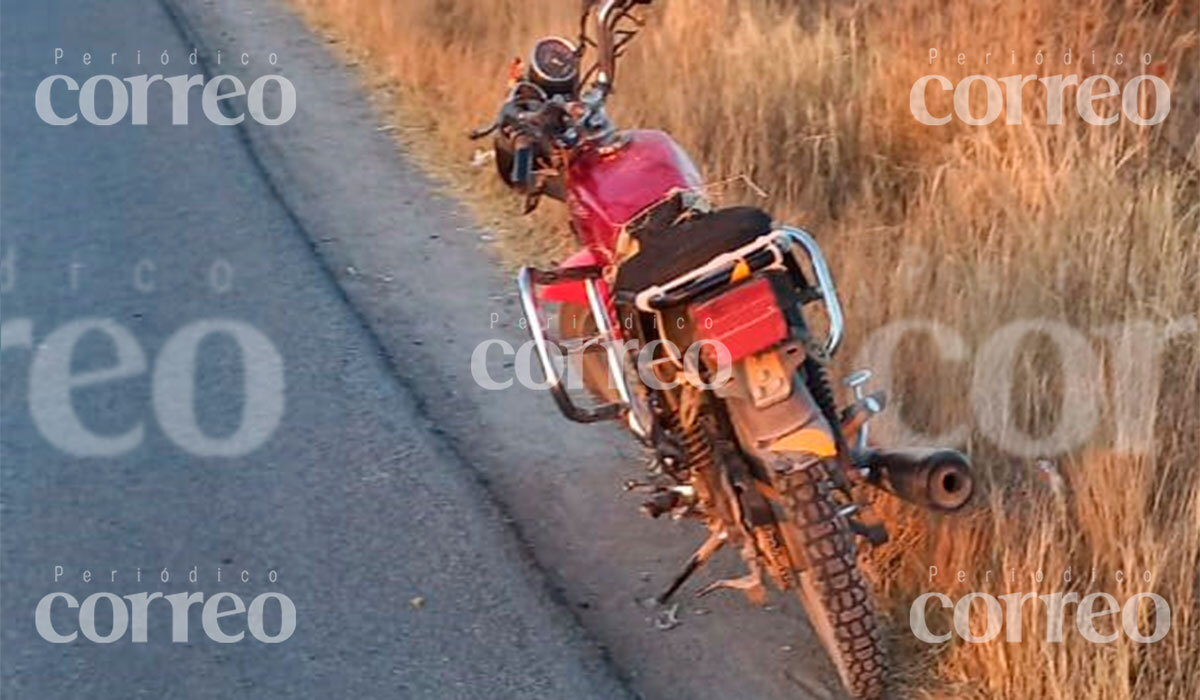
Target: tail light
{"type": "Point", "coordinates": [745, 319]}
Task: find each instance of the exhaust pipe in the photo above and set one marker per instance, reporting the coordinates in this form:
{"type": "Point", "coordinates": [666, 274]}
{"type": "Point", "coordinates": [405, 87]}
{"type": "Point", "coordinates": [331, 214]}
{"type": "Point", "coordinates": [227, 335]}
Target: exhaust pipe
{"type": "Point", "coordinates": [936, 479]}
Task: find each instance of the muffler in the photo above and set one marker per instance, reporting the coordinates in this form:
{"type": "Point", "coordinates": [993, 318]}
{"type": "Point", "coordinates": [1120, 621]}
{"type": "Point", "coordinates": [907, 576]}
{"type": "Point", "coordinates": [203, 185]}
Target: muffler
{"type": "Point", "coordinates": [937, 479]}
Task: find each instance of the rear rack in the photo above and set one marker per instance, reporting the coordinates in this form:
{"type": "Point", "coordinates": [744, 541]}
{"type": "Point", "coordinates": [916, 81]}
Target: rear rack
{"type": "Point", "coordinates": [764, 252]}
{"type": "Point", "coordinates": [527, 281]}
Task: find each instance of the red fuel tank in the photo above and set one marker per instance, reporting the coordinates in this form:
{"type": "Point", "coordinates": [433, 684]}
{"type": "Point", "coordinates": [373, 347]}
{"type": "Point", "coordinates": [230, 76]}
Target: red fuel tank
{"type": "Point", "coordinates": [604, 191]}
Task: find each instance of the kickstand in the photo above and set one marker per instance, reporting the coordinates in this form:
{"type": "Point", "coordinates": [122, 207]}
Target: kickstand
{"type": "Point", "coordinates": [714, 542]}
{"type": "Point", "coordinates": [751, 584]}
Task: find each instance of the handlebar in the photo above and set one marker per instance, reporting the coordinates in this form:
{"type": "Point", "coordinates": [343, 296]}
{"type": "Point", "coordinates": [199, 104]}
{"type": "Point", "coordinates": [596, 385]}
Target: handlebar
{"type": "Point", "coordinates": [611, 12]}
{"type": "Point", "coordinates": [605, 45]}
{"type": "Point", "coordinates": [533, 123]}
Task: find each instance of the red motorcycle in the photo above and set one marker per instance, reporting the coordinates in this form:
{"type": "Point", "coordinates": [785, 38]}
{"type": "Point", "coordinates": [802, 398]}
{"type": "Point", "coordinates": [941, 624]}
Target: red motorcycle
{"type": "Point", "coordinates": [695, 327]}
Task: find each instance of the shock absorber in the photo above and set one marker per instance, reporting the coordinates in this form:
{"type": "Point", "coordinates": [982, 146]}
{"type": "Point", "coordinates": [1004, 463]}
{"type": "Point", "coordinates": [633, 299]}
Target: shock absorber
{"type": "Point", "coordinates": [683, 454]}
{"type": "Point", "coordinates": [697, 446]}
{"type": "Point", "coordinates": [816, 378]}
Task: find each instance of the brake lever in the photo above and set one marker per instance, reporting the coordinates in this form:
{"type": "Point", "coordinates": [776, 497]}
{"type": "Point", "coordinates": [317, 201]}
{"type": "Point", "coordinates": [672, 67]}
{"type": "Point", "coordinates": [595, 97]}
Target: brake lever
{"type": "Point", "coordinates": [507, 113]}
{"type": "Point", "coordinates": [479, 133]}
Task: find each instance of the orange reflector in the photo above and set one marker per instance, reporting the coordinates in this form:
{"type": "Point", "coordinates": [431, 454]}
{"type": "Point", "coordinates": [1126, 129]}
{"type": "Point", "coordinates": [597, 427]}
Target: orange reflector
{"type": "Point", "coordinates": [810, 440]}
{"type": "Point", "coordinates": [740, 272]}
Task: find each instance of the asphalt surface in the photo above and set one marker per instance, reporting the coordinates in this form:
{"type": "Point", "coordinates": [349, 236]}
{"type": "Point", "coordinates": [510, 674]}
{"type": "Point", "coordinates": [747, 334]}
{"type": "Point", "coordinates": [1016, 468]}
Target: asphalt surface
{"type": "Point", "coordinates": [438, 539]}
{"type": "Point", "coordinates": [406, 580]}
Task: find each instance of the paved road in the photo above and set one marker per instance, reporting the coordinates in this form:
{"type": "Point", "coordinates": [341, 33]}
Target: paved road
{"type": "Point", "coordinates": [351, 500]}
{"type": "Point", "coordinates": [369, 493]}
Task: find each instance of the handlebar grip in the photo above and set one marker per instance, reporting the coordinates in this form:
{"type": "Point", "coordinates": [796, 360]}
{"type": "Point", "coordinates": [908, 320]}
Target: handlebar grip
{"type": "Point", "coordinates": [522, 166]}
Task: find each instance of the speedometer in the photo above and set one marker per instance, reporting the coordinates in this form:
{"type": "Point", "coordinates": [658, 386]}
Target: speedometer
{"type": "Point", "coordinates": [555, 65]}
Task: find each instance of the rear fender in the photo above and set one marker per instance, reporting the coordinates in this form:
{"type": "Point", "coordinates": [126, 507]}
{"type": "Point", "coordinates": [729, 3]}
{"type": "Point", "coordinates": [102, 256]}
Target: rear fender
{"type": "Point", "coordinates": [572, 292]}
{"type": "Point", "coordinates": [790, 425]}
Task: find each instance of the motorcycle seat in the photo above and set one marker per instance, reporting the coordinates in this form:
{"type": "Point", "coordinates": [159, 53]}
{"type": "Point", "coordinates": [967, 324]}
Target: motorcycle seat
{"type": "Point", "coordinates": [669, 252]}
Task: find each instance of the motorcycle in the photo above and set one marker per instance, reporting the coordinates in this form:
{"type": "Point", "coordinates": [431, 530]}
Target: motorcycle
{"type": "Point", "coordinates": [743, 428]}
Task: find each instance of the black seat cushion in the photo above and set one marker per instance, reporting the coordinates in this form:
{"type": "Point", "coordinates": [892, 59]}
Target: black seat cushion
{"type": "Point", "coordinates": [665, 254]}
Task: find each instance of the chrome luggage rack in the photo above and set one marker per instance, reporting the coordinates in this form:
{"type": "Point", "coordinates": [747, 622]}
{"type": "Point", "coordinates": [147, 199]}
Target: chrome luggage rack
{"type": "Point", "coordinates": [527, 281]}
{"type": "Point", "coordinates": [765, 252]}
{"type": "Point", "coordinates": [768, 251]}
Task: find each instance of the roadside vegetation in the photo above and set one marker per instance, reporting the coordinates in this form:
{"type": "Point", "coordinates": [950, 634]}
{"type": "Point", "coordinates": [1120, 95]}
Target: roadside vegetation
{"type": "Point", "coordinates": [1095, 229]}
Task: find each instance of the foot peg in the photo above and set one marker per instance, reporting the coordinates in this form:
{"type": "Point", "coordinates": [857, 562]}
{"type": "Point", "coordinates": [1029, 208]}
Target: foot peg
{"type": "Point", "coordinates": [660, 502]}
{"type": "Point", "coordinates": [865, 407]}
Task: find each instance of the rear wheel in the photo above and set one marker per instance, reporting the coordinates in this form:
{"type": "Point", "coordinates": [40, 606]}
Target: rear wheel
{"type": "Point", "coordinates": [832, 589]}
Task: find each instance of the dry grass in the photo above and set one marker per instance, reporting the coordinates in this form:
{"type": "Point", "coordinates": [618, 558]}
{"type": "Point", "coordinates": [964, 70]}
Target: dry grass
{"type": "Point", "coordinates": [973, 227]}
